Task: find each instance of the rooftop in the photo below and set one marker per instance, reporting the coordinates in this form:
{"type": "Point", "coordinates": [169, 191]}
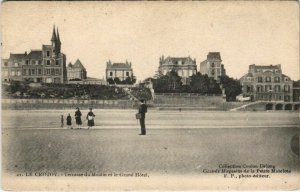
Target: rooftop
{"type": "Point", "coordinates": [17, 56]}
{"type": "Point", "coordinates": [35, 54]}
{"type": "Point", "coordinates": [214, 55]}
{"type": "Point", "coordinates": [119, 65]}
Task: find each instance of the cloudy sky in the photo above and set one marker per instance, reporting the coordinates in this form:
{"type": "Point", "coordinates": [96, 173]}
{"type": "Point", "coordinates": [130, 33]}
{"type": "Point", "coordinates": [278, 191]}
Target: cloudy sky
{"type": "Point", "coordinates": [245, 33]}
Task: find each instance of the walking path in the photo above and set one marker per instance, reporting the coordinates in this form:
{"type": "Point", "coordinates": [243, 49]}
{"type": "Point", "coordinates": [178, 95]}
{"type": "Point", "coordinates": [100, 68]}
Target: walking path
{"type": "Point", "coordinates": [244, 106]}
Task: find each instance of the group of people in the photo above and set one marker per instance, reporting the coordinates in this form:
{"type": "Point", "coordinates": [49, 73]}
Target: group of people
{"type": "Point", "coordinates": [142, 110]}
{"type": "Point", "coordinates": [89, 117]}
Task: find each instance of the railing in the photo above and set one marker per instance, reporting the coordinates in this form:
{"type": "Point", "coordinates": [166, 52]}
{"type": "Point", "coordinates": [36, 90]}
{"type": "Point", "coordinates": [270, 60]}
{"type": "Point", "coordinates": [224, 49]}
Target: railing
{"type": "Point", "coordinates": [186, 94]}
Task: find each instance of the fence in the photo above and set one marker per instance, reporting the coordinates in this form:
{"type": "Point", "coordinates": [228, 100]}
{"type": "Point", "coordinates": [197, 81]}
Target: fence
{"type": "Point", "coordinates": [65, 103]}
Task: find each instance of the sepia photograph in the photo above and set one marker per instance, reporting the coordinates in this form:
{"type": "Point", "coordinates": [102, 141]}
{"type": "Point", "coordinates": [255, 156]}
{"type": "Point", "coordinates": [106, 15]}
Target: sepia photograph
{"type": "Point", "coordinates": [150, 95]}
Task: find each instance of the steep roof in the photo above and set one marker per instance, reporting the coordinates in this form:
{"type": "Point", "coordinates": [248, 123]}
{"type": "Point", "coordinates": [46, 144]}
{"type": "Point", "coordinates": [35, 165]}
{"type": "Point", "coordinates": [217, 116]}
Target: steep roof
{"type": "Point", "coordinates": [120, 65]}
{"type": "Point", "coordinates": [78, 64]}
{"type": "Point", "coordinates": [267, 66]}
{"type": "Point", "coordinates": [18, 56]}
{"type": "Point", "coordinates": [214, 55]}
{"type": "Point", "coordinates": [174, 60]}
{"type": "Point", "coordinates": [35, 54]}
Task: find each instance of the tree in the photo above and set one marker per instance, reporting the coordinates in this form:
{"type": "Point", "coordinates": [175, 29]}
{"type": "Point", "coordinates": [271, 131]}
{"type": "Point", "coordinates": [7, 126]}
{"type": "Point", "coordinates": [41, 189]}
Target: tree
{"type": "Point", "coordinates": [232, 87]}
{"type": "Point", "coordinates": [117, 80]}
{"type": "Point", "coordinates": [199, 83]}
{"type": "Point", "coordinates": [170, 82]}
{"type": "Point", "coordinates": [110, 81]}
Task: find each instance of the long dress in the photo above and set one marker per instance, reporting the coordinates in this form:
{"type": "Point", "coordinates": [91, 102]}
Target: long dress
{"type": "Point", "coordinates": [69, 120]}
{"type": "Point", "coordinates": [90, 118]}
{"type": "Point", "coordinates": [78, 117]}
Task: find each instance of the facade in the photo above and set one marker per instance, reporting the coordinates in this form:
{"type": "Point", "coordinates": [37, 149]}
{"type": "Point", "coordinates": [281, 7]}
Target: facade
{"type": "Point", "coordinates": [76, 71]}
{"type": "Point", "coordinates": [296, 91]}
{"type": "Point", "coordinates": [213, 66]}
{"type": "Point", "coordinates": [267, 83]}
{"type": "Point", "coordinates": [184, 66]}
{"type": "Point", "coordinates": [45, 66]}
{"type": "Point", "coordinates": [119, 70]}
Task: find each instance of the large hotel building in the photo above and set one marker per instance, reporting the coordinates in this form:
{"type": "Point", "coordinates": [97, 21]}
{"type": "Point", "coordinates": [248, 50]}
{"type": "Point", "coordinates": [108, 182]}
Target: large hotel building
{"type": "Point", "coordinates": [45, 66]}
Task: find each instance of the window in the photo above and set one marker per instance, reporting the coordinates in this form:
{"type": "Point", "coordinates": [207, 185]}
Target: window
{"type": "Point", "coordinates": [248, 88]}
{"type": "Point", "coordinates": [27, 62]}
{"type": "Point", "coordinates": [33, 71]}
{"type": "Point", "coordinates": [286, 88]}
{"type": "Point", "coordinates": [18, 73]}
{"type": "Point", "coordinates": [213, 65]}
{"type": "Point", "coordinates": [48, 62]}
{"type": "Point", "coordinates": [127, 74]}
{"type": "Point", "coordinates": [29, 72]}
{"type": "Point", "coordinates": [56, 62]}
{"type": "Point", "coordinates": [40, 62]}
{"type": "Point", "coordinates": [32, 62]}
{"type": "Point", "coordinates": [13, 73]}
{"type": "Point", "coordinates": [56, 71]}
{"type": "Point", "coordinates": [24, 71]}
{"type": "Point", "coordinates": [277, 88]}
{"type": "Point", "coordinates": [276, 79]}
{"type": "Point", "coordinates": [111, 74]}
{"type": "Point", "coordinates": [259, 89]}
{"type": "Point", "coordinates": [212, 72]}
{"type": "Point", "coordinates": [268, 79]}
{"type": "Point", "coordinates": [16, 64]}
{"type": "Point", "coordinates": [259, 79]}
{"type": "Point", "coordinates": [48, 53]}
{"type": "Point", "coordinates": [48, 71]}
{"type": "Point", "coordinates": [40, 71]}
{"type": "Point", "coordinates": [268, 88]}
{"type": "Point", "coordinates": [37, 62]}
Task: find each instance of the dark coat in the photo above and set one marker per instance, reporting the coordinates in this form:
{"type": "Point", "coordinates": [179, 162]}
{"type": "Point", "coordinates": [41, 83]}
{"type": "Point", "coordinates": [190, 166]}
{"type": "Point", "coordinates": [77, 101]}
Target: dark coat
{"type": "Point", "coordinates": [78, 117]}
{"type": "Point", "coordinates": [143, 110]}
{"type": "Point", "coordinates": [69, 120]}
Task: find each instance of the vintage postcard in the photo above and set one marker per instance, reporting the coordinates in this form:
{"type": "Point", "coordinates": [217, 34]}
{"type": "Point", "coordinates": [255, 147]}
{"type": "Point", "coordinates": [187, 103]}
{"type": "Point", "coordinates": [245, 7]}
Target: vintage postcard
{"type": "Point", "coordinates": [146, 95]}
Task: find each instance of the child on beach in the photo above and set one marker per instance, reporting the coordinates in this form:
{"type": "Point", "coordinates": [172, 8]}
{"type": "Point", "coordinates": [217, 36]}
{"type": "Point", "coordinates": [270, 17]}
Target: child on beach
{"type": "Point", "coordinates": [61, 121]}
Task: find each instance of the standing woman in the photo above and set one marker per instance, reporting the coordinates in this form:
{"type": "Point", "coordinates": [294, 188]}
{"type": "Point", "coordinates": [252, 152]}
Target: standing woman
{"type": "Point", "coordinates": [90, 118]}
{"type": "Point", "coordinates": [78, 117]}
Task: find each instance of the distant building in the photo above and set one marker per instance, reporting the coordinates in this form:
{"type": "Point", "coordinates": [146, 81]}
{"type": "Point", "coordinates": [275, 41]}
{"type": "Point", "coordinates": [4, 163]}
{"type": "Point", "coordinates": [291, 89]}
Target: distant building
{"type": "Point", "coordinates": [184, 66]}
{"type": "Point", "coordinates": [76, 71]}
{"type": "Point", "coordinates": [47, 65]}
{"type": "Point", "coordinates": [119, 70]}
{"type": "Point", "coordinates": [213, 66]}
{"type": "Point", "coordinates": [296, 91]}
{"type": "Point", "coordinates": [267, 83]}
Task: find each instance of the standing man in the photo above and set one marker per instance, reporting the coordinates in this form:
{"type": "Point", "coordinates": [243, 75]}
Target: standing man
{"type": "Point", "coordinates": [143, 111]}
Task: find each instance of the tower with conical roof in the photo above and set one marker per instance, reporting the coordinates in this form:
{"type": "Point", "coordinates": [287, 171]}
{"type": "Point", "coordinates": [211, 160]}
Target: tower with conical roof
{"type": "Point", "coordinates": [58, 43]}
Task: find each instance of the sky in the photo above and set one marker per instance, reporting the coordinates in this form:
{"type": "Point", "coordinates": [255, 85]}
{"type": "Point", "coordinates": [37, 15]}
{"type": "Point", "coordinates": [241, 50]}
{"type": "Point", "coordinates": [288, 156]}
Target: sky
{"type": "Point", "coordinates": [244, 32]}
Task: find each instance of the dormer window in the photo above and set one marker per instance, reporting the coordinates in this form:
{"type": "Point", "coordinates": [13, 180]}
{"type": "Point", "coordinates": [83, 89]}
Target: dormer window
{"type": "Point", "coordinates": [27, 62]}
{"type": "Point", "coordinates": [48, 53]}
